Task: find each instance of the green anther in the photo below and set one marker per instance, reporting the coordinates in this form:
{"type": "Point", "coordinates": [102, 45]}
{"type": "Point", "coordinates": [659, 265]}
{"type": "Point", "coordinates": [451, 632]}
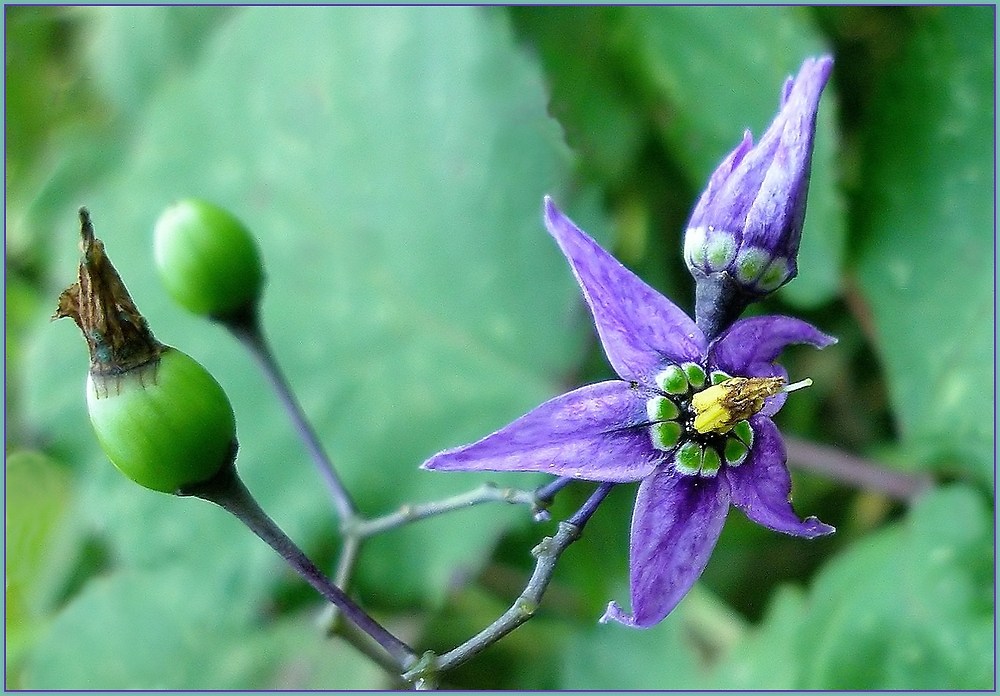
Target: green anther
{"type": "Point", "coordinates": [689, 457]}
{"type": "Point", "coordinates": [720, 251]}
{"type": "Point", "coordinates": [665, 436]}
{"type": "Point", "coordinates": [750, 263]}
{"type": "Point", "coordinates": [710, 463]}
{"type": "Point", "coordinates": [673, 380]}
{"type": "Point", "coordinates": [743, 431]}
{"type": "Point", "coordinates": [775, 274]}
{"type": "Point", "coordinates": [736, 451]}
{"type": "Point", "coordinates": [718, 377]}
{"type": "Point", "coordinates": [660, 408]}
{"type": "Point", "coordinates": [695, 375]}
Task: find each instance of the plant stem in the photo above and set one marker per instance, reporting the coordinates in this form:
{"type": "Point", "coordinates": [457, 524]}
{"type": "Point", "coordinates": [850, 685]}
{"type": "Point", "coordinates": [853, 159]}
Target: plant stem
{"type": "Point", "coordinates": [488, 492]}
{"type": "Point", "coordinates": [247, 329]}
{"type": "Point", "coordinates": [547, 492]}
{"type": "Point", "coordinates": [840, 466]}
{"type": "Point", "coordinates": [360, 529]}
{"type": "Point", "coordinates": [547, 553]}
{"type": "Point", "coordinates": [227, 490]}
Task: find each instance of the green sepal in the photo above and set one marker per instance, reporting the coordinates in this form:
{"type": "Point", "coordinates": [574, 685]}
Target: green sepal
{"type": "Point", "coordinates": [695, 374]}
{"type": "Point", "coordinates": [710, 462]}
{"type": "Point", "coordinates": [744, 431]}
{"type": "Point", "coordinates": [672, 380]}
{"type": "Point", "coordinates": [735, 451]}
{"type": "Point", "coordinates": [660, 408]}
{"type": "Point", "coordinates": [689, 457]}
{"type": "Point", "coordinates": [665, 436]}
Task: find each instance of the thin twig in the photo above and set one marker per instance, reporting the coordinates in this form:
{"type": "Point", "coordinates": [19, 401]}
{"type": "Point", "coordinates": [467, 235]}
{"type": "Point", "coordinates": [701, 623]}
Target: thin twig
{"type": "Point", "coordinates": [840, 466]}
{"type": "Point", "coordinates": [247, 329]}
{"type": "Point", "coordinates": [547, 553]}
{"type": "Point", "coordinates": [488, 492]}
{"type": "Point", "coordinates": [227, 490]}
{"type": "Point", "coordinates": [547, 492]}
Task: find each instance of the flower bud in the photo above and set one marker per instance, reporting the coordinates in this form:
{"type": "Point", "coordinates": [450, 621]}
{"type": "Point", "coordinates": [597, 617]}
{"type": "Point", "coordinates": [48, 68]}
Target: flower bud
{"type": "Point", "coordinates": [207, 259]}
{"type": "Point", "coordinates": [159, 416]}
{"type": "Point", "coordinates": [743, 237]}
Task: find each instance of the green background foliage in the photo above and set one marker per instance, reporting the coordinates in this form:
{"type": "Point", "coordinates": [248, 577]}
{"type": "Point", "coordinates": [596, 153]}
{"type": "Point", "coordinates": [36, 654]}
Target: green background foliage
{"type": "Point", "coordinates": [391, 163]}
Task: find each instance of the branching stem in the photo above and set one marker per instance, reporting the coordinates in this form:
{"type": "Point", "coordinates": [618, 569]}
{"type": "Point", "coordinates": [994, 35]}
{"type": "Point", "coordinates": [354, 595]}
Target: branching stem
{"type": "Point", "coordinates": [486, 493]}
{"type": "Point", "coordinates": [547, 553]}
{"type": "Point", "coordinates": [227, 490]}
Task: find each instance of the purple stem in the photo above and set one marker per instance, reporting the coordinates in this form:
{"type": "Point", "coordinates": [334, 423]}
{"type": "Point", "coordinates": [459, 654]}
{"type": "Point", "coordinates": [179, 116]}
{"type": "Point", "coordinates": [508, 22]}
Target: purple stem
{"type": "Point", "coordinates": [581, 516]}
{"type": "Point", "coordinates": [547, 492]}
{"type": "Point", "coordinates": [839, 466]}
{"type": "Point", "coordinates": [248, 331]}
{"type": "Point", "coordinates": [227, 490]}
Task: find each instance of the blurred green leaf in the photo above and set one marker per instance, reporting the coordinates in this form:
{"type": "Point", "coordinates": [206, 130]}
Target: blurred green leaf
{"type": "Point", "coordinates": [673, 655]}
{"type": "Point", "coordinates": [908, 608]}
{"type": "Point", "coordinates": [925, 256]}
{"type": "Point", "coordinates": [589, 93]}
{"type": "Point", "coordinates": [394, 179]}
{"type": "Point", "coordinates": [122, 640]}
{"type": "Point", "coordinates": [133, 50]}
{"type": "Point", "coordinates": [40, 547]}
{"type": "Point", "coordinates": [705, 89]}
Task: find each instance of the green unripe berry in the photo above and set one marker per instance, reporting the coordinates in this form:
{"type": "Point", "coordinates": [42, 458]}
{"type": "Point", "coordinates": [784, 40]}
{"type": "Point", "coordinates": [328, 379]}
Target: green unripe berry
{"type": "Point", "coordinates": [166, 425]}
{"type": "Point", "coordinates": [207, 259]}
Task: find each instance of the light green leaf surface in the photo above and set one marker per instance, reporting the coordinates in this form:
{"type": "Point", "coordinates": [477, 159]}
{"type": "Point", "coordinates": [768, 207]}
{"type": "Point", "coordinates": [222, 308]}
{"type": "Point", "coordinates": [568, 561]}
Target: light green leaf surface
{"type": "Point", "coordinates": [674, 654]}
{"type": "Point", "coordinates": [910, 608]}
{"type": "Point", "coordinates": [925, 262]}
{"type": "Point", "coordinates": [711, 72]}
{"type": "Point", "coordinates": [130, 642]}
{"type": "Point", "coordinates": [40, 548]}
{"type": "Point", "coordinates": [392, 163]}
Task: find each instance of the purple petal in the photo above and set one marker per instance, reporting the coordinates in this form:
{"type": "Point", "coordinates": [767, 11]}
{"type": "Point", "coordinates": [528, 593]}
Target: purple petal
{"type": "Point", "coordinates": [639, 328]}
{"type": "Point", "coordinates": [761, 486]}
{"type": "Point", "coordinates": [591, 433]}
{"type": "Point", "coordinates": [750, 344]}
{"type": "Point", "coordinates": [718, 180]}
{"type": "Point", "coordinates": [781, 200]}
{"type": "Point", "coordinates": [675, 524]}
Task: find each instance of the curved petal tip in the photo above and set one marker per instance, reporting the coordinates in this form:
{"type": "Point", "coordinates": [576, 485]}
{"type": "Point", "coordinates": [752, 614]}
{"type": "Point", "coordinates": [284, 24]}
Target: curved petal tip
{"type": "Point", "coordinates": [615, 613]}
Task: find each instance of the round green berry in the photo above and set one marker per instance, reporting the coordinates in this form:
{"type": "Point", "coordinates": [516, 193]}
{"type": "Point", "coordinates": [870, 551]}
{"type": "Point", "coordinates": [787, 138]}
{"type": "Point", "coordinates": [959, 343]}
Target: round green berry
{"type": "Point", "coordinates": [166, 425]}
{"type": "Point", "coordinates": [207, 259]}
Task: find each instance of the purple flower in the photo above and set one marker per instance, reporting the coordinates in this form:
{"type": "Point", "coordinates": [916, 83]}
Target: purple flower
{"type": "Point", "coordinates": [743, 237]}
{"type": "Point", "coordinates": [695, 447]}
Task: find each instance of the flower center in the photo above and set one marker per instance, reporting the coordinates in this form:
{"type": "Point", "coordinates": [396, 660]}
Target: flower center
{"type": "Point", "coordinates": [705, 417]}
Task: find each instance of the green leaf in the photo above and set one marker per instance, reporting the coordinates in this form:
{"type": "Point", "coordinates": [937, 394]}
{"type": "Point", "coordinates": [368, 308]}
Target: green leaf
{"type": "Point", "coordinates": [910, 608]}
{"type": "Point", "coordinates": [393, 175]}
{"type": "Point", "coordinates": [186, 639]}
{"type": "Point", "coordinates": [708, 81]}
{"type": "Point", "coordinates": [133, 50]}
{"type": "Point", "coordinates": [603, 121]}
{"type": "Point", "coordinates": [672, 655]}
{"type": "Point", "coordinates": [40, 546]}
{"type": "Point", "coordinates": [925, 261]}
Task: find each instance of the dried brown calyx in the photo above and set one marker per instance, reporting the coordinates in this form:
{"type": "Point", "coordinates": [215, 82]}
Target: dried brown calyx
{"type": "Point", "coordinates": [117, 335]}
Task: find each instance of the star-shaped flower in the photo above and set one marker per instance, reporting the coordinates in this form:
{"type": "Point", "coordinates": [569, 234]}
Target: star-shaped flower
{"type": "Point", "coordinates": [697, 439]}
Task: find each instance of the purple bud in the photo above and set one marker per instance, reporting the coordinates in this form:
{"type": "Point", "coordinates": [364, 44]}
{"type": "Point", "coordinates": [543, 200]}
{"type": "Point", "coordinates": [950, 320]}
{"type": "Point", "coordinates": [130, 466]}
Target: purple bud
{"type": "Point", "coordinates": [743, 236]}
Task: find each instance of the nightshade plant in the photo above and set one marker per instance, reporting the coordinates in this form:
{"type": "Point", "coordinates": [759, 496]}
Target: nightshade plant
{"type": "Point", "coordinates": [690, 416]}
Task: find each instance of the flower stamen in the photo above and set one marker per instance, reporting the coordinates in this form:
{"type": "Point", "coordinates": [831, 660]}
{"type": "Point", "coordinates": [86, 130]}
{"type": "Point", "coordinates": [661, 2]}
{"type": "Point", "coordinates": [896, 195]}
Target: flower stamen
{"type": "Point", "coordinates": [721, 406]}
